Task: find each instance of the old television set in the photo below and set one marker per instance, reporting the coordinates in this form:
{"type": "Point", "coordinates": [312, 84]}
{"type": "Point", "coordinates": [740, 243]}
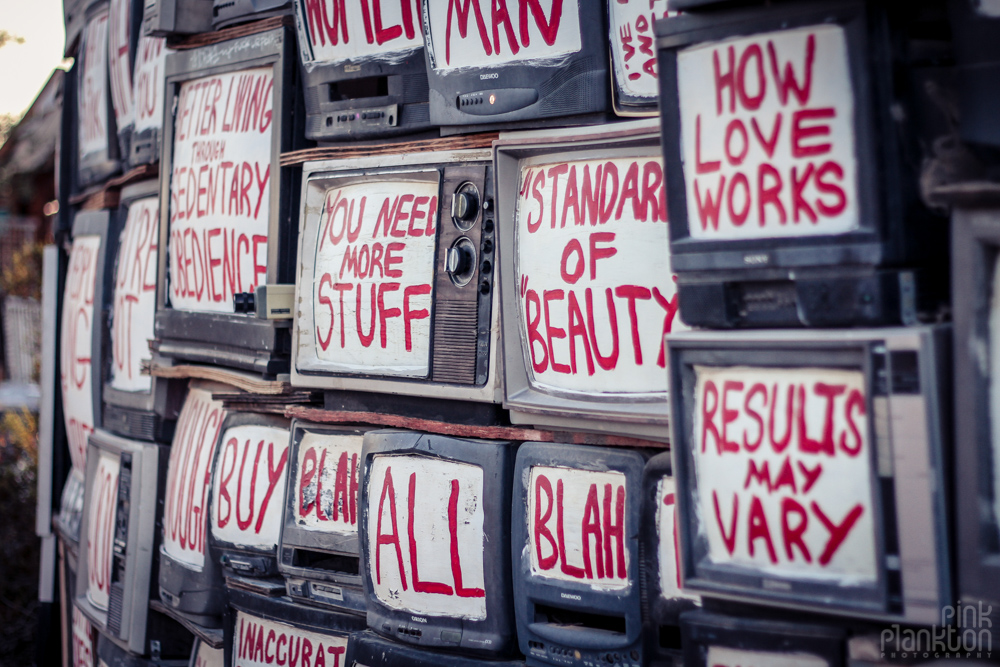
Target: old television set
{"type": "Point", "coordinates": [82, 637]}
{"type": "Point", "coordinates": [575, 550]}
{"type": "Point", "coordinates": [587, 290]}
{"type": "Point", "coordinates": [148, 85]}
{"type": "Point", "coordinates": [165, 18]}
{"type": "Point", "coordinates": [547, 63]}
{"type": "Point", "coordinates": [363, 69]}
{"type": "Point", "coordinates": [226, 13]}
{"type": "Point", "coordinates": [264, 630]}
{"type": "Point", "coordinates": [811, 468]}
{"type": "Point", "coordinates": [416, 594]}
{"type": "Point", "coordinates": [137, 405]}
{"type": "Point", "coordinates": [367, 649]}
{"type": "Point", "coordinates": [417, 338]}
{"type": "Point", "coordinates": [225, 240]}
{"type": "Point", "coordinates": [975, 294]}
{"type": "Point", "coordinates": [83, 339]}
{"type": "Point", "coordinates": [203, 655]}
{"type": "Point", "coordinates": [190, 579]}
{"type": "Point", "coordinates": [632, 31]}
{"type": "Point", "coordinates": [123, 510]}
{"type": "Point", "coordinates": [96, 135]}
{"type": "Point", "coordinates": [793, 190]}
{"type": "Point", "coordinates": [249, 475]}
{"type": "Point", "coordinates": [110, 654]}
{"type": "Point", "coordinates": [124, 24]}
{"type": "Point", "coordinates": [319, 548]}
{"type": "Point", "coordinates": [712, 639]}
{"type": "Point", "coordinates": [663, 600]}
{"type": "Point", "coordinates": [74, 21]}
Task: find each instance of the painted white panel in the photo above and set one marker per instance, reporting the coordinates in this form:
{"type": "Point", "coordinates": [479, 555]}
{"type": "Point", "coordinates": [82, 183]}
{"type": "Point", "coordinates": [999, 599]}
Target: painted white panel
{"type": "Point", "coordinates": [83, 640]}
{"type": "Point", "coordinates": [783, 464]}
{"type": "Point", "coordinates": [76, 344]}
{"type": "Point", "coordinates": [577, 526]}
{"type": "Point", "coordinates": [259, 642]}
{"type": "Point", "coordinates": [209, 657]}
{"type": "Point", "coordinates": [119, 62]}
{"type": "Point", "coordinates": [722, 656]}
{"type": "Point", "coordinates": [93, 100]}
{"type": "Point", "coordinates": [633, 44]}
{"type": "Point", "coordinates": [188, 475]}
{"type": "Point", "coordinates": [149, 82]}
{"type": "Point", "coordinates": [372, 287]}
{"type": "Point", "coordinates": [340, 30]}
{"type": "Point", "coordinates": [220, 189]}
{"type": "Point", "coordinates": [667, 548]}
{"type": "Point", "coordinates": [425, 543]}
{"type": "Point", "coordinates": [248, 486]}
{"type": "Point", "coordinates": [594, 287]}
{"type": "Point", "coordinates": [101, 529]}
{"type": "Point", "coordinates": [476, 33]}
{"type": "Point", "coordinates": [326, 484]}
{"type": "Point", "coordinates": [767, 135]}
{"type": "Point", "coordinates": [135, 296]}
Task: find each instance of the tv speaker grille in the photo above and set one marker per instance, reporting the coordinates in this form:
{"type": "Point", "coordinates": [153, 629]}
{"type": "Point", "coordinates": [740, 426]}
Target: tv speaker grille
{"type": "Point", "coordinates": [115, 609]}
{"type": "Point", "coordinates": [455, 326]}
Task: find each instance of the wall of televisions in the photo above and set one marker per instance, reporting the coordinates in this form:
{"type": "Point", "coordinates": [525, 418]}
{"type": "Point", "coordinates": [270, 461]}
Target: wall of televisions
{"type": "Point", "coordinates": [697, 369]}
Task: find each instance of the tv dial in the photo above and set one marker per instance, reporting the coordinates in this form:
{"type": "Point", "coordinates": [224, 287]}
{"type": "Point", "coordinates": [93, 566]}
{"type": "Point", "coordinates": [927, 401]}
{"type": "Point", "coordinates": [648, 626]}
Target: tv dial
{"type": "Point", "coordinates": [460, 261]}
{"type": "Point", "coordinates": [465, 206]}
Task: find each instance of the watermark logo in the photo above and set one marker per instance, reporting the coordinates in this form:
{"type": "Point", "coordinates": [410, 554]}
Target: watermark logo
{"type": "Point", "coordinates": [965, 631]}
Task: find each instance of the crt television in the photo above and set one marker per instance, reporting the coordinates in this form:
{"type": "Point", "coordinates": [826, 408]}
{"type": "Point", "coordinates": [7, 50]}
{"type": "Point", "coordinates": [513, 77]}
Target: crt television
{"type": "Point", "coordinates": [67, 523]}
{"type": "Point", "coordinates": [810, 468]}
{"type": "Point", "coordinates": [319, 550]}
{"type": "Point", "coordinates": [367, 649]}
{"type": "Point", "coordinates": [137, 405]}
{"type": "Point", "coordinates": [74, 22]}
{"type": "Point", "coordinates": [148, 85]}
{"type": "Point", "coordinates": [227, 13]}
{"type": "Point", "coordinates": [663, 600]}
{"type": "Point", "coordinates": [790, 141]}
{"type": "Point", "coordinates": [124, 23]}
{"type": "Point", "coordinates": [432, 335]}
{"type": "Point", "coordinates": [123, 510]}
{"type": "Point", "coordinates": [203, 655]}
{"type": "Point", "coordinates": [82, 638]}
{"type": "Point", "coordinates": [97, 138]}
{"type": "Point", "coordinates": [527, 62]}
{"type": "Point", "coordinates": [166, 18]}
{"type": "Point", "coordinates": [110, 654]}
{"type": "Point", "coordinates": [190, 579]}
{"type": "Point", "coordinates": [83, 338]}
{"type": "Point", "coordinates": [436, 557]}
{"type": "Point", "coordinates": [632, 32]}
{"type": "Point", "coordinates": [226, 202]}
{"type": "Point", "coordinates": [363, 68]}
{"type": "Point", "coordinates": [575, 550]}
{"type": "Point", "coordinates": [586, 287]}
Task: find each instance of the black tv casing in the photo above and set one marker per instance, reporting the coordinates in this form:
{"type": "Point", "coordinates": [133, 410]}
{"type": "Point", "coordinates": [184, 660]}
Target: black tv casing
{"type": "Point", "coordinates": [573, 638]}
{"type": "Point", "coordinates": [67, 523]}
{"type": "Point", "coordinates": [253, 344]}
{"type": "Point", "coordinates": [98, 165]}
{"type": "Point", "coordinates": [231, 12]}
{"type": "Point", "coordinates": [660, 610]}
{"type": "Point", "coordinates": [369, 649]}
{"type": "Point", "coordinates": [397, 105]}
{"type": "Point", "coordinates": [283, 610]}
{"type": "Point", "coordinates": [627, 103]}
{"type": "Point", "coordinates": [975, 27]}
{"type": "Point", "coordinates": [493, 636]}
{"type": "Point", "coordinates": [702, 629]}
{"type": "Point", "coordinates": [539, 91]}
{"type": "Point", "coordinates": [125, 129]}
{"type": "Point", "coordinates": [73, 23]}
{"type": "Point", "coordinates": [907, 386]}
{"type": "Point", "coordinates": [146, 141]}
{"type": "Point", "coordinates": [320, 584]}
{"type": "Point", "coordinates": [166, 18]}
{"type": "Point", "coordinates": [136, 414]}
{"type": "Point", "coordinates": [66, 156]}
{"type": "Point", "coordinates": [891, 269]}
{"type": "Point", "coordinates": [111, 654]}
{"type": "Point", "coordinates": [975, 249]}
{"type": "Point", "coordinates": [463, 383]}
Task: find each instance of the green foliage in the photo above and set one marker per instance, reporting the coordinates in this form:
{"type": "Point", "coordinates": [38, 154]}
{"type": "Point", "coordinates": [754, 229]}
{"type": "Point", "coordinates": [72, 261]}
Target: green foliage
{"type": "Point", "coordinates": [24, 275]}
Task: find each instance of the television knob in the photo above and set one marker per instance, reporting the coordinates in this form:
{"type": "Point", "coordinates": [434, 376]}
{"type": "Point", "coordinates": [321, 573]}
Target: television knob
{"type": "Point", "coordinates": [465, 206]}
{"type": "Point", "coordinates": [461, 261]}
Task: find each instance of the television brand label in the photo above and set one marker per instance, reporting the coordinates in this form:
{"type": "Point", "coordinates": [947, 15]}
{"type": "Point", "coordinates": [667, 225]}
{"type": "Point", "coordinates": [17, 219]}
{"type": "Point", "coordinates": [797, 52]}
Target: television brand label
{"type": "Point", "coordinates": [259, 642]}
{"type": "Point", "coordinates": [188, 475]}
{"type": "Point", "coordinates": [209, 657]}
{"type": "Point", "coordinates": [340, 30]}
{"type": "Point", "coordinates": [101, 530]}
{"type": "Point", "coordinates": [667, 543]}
{"type": "Point", "coordinates": [135, 296]}
{"type": "Point", "coordinates": [83, 640]}
{"type": "Point", "coordinates": [326, 488]}
{"type": "Point", "coordinates": [120, 62]}
{"type": "Point", "coordinates": [76, 344]}
{"type": "Point", "coordinates": [419, 509]}
{"type": "Point", "coordinates": [475, 33]}
{"type": "Point", "coordinates": [633, 44]}
{"type": "Point", "coordinates": [577, 530]}
{"type": "Point", "coordinates": [220, 189]}
{"type": "Point", "coordinates": [767, 136]}
{"type": "Point", "coordinates": [783, 465]}
{"type": "Point", "coordinates": [594, 285]}
{"type": "Point", "coordinates": [93, 101]}
{"type": "Point", "coordinates": [150, 63]}
{"type": "Point", "coordinates": [721, 656]}
{"type": "Point", "coordinates": [372, 285]}
{"type": "Point", "coordinates": [248, 487]}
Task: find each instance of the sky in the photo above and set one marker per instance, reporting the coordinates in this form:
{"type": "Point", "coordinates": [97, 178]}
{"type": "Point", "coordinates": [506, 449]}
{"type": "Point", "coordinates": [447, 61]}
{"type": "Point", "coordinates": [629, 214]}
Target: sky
{"type": "Point", "coordinates": [24, 68]}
